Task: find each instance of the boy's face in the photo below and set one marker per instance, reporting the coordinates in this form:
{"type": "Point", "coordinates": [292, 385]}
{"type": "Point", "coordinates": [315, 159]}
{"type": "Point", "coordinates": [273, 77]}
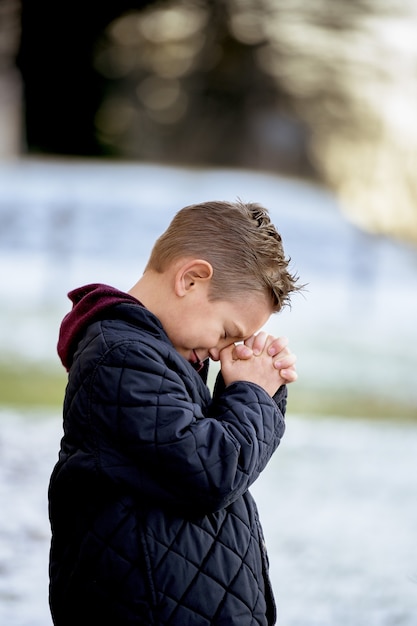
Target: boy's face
{"type": "Point", "coordinates": [201, 328]}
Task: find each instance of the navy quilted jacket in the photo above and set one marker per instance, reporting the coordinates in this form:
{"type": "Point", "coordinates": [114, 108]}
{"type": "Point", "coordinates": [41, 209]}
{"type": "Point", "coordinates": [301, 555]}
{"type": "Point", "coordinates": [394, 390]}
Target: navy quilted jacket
{"type": "Point", "coordinates": [152, 521]}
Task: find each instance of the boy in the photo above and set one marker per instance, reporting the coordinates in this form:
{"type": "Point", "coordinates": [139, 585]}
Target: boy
{"type": "Point", "coordinates": [152, 521]}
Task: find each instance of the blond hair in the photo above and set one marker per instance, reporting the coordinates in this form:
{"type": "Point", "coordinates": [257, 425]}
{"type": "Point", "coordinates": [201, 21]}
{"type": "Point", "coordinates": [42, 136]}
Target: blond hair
{"type": "Point", "coordinates": [240, 242]}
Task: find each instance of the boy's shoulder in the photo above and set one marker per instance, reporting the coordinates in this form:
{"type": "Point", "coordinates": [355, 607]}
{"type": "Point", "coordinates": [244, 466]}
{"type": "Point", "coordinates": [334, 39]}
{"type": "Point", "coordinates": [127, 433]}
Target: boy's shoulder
{"type": "Point", "coordinates": [98, 303]}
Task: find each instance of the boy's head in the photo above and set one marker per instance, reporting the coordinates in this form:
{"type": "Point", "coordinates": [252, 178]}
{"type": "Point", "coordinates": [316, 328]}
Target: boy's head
{"type": "Point", "coordinates": [240, 243]}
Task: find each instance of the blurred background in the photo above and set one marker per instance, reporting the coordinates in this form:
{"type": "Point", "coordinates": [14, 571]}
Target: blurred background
{"type": "Point", "coordinates": [114, 115]}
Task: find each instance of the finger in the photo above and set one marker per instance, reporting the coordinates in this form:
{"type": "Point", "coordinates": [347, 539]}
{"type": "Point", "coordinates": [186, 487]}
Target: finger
{"type": "Point", "coordinates": [259, 343]}
{"type": "Point", "coordinates": [249, 341]}
{"type": "Point", "coordinates": [285, 362]}
{"type": "Point", "coordinates": [277, 345]}
{"type": "Point", "coordinates": [289, 375]}
{"type": "Point", "coordinates": [241, 351]}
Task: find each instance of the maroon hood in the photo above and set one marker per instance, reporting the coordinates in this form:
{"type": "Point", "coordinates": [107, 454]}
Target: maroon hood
{"type": "Point", "coordinates": [89, 302]}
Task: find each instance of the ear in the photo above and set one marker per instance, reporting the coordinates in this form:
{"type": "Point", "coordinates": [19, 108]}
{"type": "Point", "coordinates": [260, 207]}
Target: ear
{"type": "Point", "coordinates": [192, 274]}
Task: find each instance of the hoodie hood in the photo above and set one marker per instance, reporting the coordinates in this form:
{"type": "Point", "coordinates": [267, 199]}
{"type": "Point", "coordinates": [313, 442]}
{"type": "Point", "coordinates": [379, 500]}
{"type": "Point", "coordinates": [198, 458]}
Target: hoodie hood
{"type": "Point", "coordinates": [88, 305]}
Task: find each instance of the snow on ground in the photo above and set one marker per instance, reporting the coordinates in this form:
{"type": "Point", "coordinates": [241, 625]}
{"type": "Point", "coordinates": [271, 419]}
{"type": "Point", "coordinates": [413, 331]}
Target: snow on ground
{"type": "Point", "coordinates": [337, 503]}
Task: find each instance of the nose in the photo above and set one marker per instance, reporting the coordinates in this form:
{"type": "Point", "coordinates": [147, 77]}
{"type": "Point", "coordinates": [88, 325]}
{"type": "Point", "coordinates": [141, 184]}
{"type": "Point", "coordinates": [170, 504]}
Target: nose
{"type": "Point", "coordinates": [214, 354]}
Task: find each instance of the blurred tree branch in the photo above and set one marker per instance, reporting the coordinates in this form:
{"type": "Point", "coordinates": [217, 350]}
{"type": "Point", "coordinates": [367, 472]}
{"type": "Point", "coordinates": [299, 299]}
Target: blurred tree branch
{"type": "Point", "coordinates": [10, 96]}
{"type": "Point", "coordinates": [62, 91]}
{"type": "Point", "coordinates": [324, 90]}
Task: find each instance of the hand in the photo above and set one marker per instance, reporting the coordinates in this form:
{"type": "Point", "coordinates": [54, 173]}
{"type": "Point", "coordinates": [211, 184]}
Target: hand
{"type": "Point", "coordinates": [284, 360]}
{"type": "Point", "coordinates": [261, 359]}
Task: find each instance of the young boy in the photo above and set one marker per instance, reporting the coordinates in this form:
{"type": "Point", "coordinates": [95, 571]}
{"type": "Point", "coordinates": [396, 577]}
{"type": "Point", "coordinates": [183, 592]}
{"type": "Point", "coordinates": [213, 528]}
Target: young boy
{"type": "Point", "coordinates": [152, 521]}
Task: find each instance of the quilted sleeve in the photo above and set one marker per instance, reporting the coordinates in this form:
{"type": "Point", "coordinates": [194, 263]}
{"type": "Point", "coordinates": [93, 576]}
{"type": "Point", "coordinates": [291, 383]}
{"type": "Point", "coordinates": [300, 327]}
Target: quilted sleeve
{"type": "Point", "coordinates": [154, 436]}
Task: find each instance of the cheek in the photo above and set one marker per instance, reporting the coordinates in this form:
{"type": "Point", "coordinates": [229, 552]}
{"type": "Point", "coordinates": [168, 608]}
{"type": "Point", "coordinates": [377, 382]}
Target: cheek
{"type": "Point", "coordinates": [207, 339]}
{"type": "Point", "coordinates": [179, 334]}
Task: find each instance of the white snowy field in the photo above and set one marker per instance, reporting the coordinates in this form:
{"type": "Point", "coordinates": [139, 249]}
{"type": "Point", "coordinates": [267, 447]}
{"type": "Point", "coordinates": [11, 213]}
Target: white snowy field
{"type": "Point", "coordinates": [337, 503]}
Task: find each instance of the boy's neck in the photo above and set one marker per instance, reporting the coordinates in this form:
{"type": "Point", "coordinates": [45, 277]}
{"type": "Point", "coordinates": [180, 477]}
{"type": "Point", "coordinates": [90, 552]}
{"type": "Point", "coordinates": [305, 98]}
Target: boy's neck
{"type": "Point", "coordinates": [151, 290]}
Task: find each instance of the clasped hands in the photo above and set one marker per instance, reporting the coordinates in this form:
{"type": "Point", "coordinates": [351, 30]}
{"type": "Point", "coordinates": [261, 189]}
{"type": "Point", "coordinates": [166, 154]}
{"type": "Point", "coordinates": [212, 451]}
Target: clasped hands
{"type": "Point", "coordinates": [261, 359]}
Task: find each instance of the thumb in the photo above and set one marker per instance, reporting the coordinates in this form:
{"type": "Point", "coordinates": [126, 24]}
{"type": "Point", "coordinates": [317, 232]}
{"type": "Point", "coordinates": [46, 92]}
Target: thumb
{"type": "Point", "coordinates": [226, 354]}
